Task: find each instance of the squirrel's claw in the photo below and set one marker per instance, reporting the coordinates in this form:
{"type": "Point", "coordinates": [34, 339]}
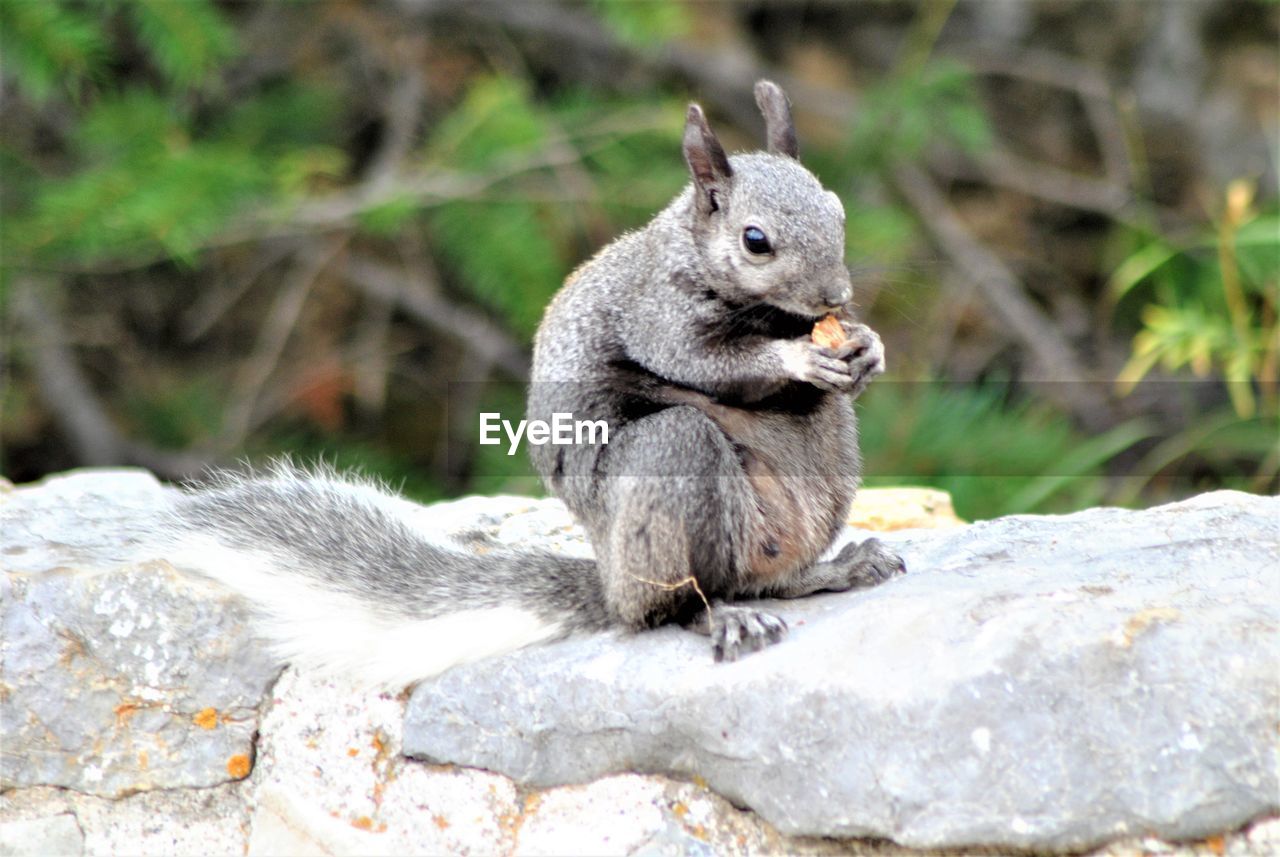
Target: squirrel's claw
{"type": "Point", "coordinates": [863, 353]}
{"type": "Point", "coordinates": [869, 563]}
{"type": "Point", "coordinates": [818, 365]}
{"type": "Point", "coordinates": [741, 630]}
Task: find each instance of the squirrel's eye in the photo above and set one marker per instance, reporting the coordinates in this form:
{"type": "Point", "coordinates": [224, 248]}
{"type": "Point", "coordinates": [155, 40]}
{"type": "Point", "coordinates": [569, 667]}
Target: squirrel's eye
{"type": "Point", "coordinates": [754, 239]}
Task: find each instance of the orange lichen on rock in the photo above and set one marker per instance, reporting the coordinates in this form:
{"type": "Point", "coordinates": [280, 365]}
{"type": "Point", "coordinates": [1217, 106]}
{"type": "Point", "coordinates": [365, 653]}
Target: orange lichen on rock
{"type": "Point", "coordinates": [206, 718]}
{"type": "Point", "coordinates": [353, 752]}
{"type": "Point", "coordinates": [364, 822]}
{"type": "Point", "coordinates": [1141, 621]}
{"type": "Point", "coordinates": [828, 333]}
{"type": "Point", "coordinates": [238, 766]}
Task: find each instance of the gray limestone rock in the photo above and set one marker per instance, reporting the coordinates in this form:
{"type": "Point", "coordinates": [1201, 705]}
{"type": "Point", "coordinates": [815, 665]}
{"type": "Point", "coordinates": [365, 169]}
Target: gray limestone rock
{"type": "Point", "coordinates": [1033, 681]}
{"type": "Point", "coordinates": [331, 779]}
{"type": "Point", "coordinates": [116, 676]}
{"type": "Point", "coordinates": [1038, 682]}
{"type": "Point", "coordinates": [40, 837]}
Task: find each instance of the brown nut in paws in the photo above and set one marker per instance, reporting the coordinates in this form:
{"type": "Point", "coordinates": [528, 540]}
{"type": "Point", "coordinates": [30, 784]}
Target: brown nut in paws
{"type": "Point", "coordinates": [828, 333]}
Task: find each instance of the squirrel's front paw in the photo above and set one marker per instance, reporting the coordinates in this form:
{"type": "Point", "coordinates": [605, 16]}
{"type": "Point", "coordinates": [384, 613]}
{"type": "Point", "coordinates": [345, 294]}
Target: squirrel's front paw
{"type": "Point", "coordinates": [863, 353]}
{"type": "Point", "coordinates": [818, 365]}
{"type": "Point", "coordinates": [741, 630]}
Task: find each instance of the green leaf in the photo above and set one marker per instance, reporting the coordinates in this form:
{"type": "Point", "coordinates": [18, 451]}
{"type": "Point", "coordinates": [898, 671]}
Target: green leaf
{"type": "Point", "coordinates": [644, 23]}
{"type": "Point", "coordinates": [44, 45]}
{"type": "Point", "coordinates": [1260, 232]}
{"type": "Point", "coordinates": [902, 116]}
{"type": "Point", "coordinates": [168, 205]}
{"type": "Point", "coordinates": [282, 117]}
{"type": "Point", "coordinates": [1086, 458]}
{"type": "Point", "coordinates": [135, 126]}
{"type": "Point", "coordinates": [188, 40]}
{"type": "Point", "coordinates": [1217, 436]}
{"type": "Point", "coordinates": [1138, 267]}
{"type": "Point", "coordinates": [881, 233]}
{"type": "Point", "coordinates": [495, 122]}
{"type": "Point", "coordinates": [388, 216]}
{"type": "Point", "coordinates": [504, 254]}
{"type": "Point", "coordinates": [993, 456]}
{"type": "Point", "coordinates": [296, 170]}
{"type": "Point", "coordinates": [1257, 247]}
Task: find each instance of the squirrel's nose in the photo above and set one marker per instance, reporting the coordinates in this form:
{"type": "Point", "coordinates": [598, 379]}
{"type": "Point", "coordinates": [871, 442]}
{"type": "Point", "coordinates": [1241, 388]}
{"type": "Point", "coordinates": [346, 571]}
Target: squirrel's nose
{"type": "Point", "coordinates": [837, 294]}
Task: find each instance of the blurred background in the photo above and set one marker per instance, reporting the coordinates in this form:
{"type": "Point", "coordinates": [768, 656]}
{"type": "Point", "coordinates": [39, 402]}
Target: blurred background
{"type": "Point", "coordinates": [236, 229]}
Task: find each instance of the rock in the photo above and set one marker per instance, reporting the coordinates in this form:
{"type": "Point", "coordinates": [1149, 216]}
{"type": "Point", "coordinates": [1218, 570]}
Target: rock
{"type": "Point", "coordinates": [118, 675]}
{"type": "Point", "coordinates": [40, 837]}
{"type": "Point", "coordinates": [331, 779]}
{"type": "Point", "coordinates": [887, 509]}
{"type": "Point", "coordinates": [1080, 633]}
{"type": "Point", "coordinates": [1033, 682]}
{"type": "Point", "coordinates": [162, 822]}
{"type": "Point", "coordinates": [661, 817]}
{"type": "Point", "coordinates": [97, 518]}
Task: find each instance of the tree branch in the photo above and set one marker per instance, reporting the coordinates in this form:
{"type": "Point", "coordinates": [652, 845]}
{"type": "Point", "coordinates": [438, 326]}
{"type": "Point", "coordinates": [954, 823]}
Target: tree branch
{"type": "Point", "coordinates": [410, 294]}
{"type": "Point", "coordinates": [272, 337]}
{"type": "Point", "coordinates": [1005, 296]}
{"type": "Point", "coordinates": [1001, 168]}
{"type": "Point", "coordinates": [75, 408]}
{"type": "Point", "coordinates": [1058, 71]}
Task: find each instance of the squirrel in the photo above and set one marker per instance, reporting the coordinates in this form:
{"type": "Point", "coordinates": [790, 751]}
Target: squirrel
{"type": "Point", "coordinates": [730, 466]}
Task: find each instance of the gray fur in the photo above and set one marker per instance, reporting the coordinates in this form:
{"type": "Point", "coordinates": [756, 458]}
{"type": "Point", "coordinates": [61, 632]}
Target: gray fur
{"type": "Point", "coordinates": [732, 455]}
{"type": "Point", "coordinates": [314, 525]}
{"type": "Point", "coordinates": [779, 130]}
{"type": "Point", "coordinates": [733, 450]}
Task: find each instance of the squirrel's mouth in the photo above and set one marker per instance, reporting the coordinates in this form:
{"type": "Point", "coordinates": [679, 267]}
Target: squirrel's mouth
{"type": "Point", "coordinates": [808, 313]}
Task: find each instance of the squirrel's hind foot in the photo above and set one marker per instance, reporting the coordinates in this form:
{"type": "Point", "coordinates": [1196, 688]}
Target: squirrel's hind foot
{"type": "Point", "coordinates": [737, 631]}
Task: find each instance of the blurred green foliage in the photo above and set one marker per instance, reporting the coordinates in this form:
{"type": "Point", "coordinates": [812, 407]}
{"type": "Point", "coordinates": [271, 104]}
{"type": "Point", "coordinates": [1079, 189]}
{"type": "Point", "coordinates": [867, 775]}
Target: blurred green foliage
{"type": "Point", "coordinates": [904, 115]}
{"type": "Point", "coordinates": [996, 456]}
{"type": "Point", "coordinates": [644, 23]}
{"type": "Point", "coordinates": [147, 151]}
{"type": "Point", "coordinates": [513, 249]}
{"type": "Point", "coordinates": [51, 46]}
{"type": "Point", "coordinates": [1202, 296]}
{"type": "Point", "coordinates": [1212, 307]}
{"type": "Point", "coordinates": [57, 46]}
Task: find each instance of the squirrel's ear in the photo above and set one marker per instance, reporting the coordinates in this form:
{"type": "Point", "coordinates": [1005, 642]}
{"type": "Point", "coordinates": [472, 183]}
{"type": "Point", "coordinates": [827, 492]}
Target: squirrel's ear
{"type": "Point", "coordinates": [706, 159]}
{"type": "Point", "coordinates": [779, 130]}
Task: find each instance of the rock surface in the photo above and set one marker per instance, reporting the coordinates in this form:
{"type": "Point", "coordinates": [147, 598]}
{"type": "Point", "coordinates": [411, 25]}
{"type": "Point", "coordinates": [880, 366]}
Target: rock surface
{"type": "Point", "coordinates": [117, 678]}
{"type": "Point", "coordinates": [331, 779]}
{"type": "Point", "coordinates": [1036, 682]}
{"type": "Point", "coordinates": [1111, 628]}
{"type": "Point", "coordinates": [40, 837]}
{"type": "Point", "coordinates": [888, 509]}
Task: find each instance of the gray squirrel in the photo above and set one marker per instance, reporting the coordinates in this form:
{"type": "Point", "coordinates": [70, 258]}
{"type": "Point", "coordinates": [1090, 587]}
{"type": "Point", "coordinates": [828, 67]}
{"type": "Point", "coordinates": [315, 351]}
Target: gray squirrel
{"type": "Point", "coordinates": [731, 461]}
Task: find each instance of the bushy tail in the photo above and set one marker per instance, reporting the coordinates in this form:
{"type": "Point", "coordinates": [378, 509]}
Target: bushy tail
{"type": "Point", "coordinates": [346, 577]}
